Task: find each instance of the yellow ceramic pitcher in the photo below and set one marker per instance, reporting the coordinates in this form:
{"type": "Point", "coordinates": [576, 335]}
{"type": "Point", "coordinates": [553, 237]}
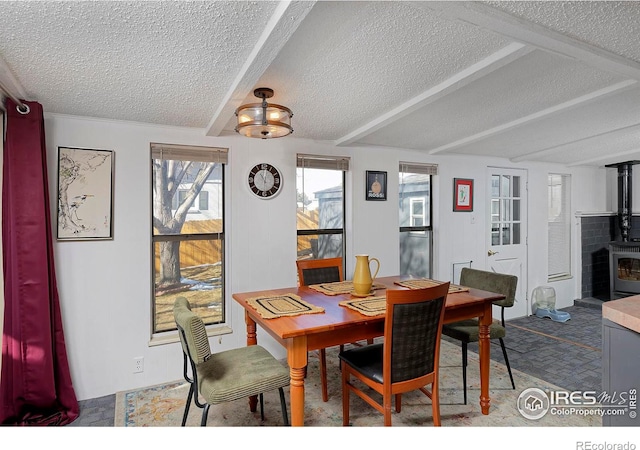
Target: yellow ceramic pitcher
{"type": "Point", "coordinates": [362, 279]}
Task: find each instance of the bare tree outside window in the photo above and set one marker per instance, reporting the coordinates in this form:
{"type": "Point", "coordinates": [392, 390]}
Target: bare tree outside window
{"type": "Point", "coordinates": [188, 241]}
{"type": "Point", "coordinates": [168, 176]}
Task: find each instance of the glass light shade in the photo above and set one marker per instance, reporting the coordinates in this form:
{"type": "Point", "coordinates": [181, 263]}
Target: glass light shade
{"type": "Point", "coordinates": [251, 122]}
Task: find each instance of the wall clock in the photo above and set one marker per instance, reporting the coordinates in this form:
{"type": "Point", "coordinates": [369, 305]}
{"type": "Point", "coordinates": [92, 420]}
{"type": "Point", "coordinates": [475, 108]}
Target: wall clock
{"type": "Point", "coordinates": [264, 180]}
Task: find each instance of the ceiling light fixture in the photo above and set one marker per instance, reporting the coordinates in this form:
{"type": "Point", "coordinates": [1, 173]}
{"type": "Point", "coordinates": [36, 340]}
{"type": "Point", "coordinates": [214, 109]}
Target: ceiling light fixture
{"type": "Point", "coordinates": [264, 120]}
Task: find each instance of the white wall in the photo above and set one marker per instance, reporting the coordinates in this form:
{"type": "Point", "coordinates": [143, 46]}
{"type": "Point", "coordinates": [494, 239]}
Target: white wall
{"type": "Point", "coordinates": [105, 286]}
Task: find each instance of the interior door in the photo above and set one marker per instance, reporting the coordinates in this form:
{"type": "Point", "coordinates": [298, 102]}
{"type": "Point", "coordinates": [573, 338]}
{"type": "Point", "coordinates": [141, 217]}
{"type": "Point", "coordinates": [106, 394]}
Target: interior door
{"type": "Point", "coordinates": [507, 236]}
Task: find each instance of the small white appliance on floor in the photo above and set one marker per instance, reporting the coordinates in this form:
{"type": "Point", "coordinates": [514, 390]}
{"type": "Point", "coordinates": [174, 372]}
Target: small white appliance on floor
{"type": "Point", "coordinates": [544, 304]}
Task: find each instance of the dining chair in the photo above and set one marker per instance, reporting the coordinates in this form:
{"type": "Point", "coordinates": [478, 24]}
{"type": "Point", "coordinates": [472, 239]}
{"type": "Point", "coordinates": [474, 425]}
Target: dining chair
{"type": "Point", "coordinates": [467, 331]}
{"type": "Point", "coordinates": [224, 376]}
{"type": "Point", "coordinates": [407, 359]}
{"type": "Point", "coordinates": [317, 271]}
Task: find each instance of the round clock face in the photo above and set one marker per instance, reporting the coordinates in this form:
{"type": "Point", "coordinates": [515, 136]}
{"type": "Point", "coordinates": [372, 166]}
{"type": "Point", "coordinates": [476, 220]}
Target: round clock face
{"type": "Point", "coordinates": [264, 180]}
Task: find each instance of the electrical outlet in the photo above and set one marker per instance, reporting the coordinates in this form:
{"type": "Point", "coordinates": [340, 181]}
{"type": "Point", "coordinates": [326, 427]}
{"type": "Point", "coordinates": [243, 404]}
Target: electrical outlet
{"type": "Point", "coordinates": [138, 364]}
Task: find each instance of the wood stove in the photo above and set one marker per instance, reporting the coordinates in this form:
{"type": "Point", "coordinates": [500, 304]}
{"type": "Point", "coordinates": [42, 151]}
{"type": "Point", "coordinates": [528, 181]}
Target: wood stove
{"type": "Point", "coordinates": [624, 255]}
{"type": "Point", "coordinates": [624, 262]}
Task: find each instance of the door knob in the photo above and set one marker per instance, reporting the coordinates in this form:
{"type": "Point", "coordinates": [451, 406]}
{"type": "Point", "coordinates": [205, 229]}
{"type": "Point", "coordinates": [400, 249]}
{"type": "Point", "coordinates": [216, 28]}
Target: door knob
{"type": "Point", "coordinates": [491, 253]}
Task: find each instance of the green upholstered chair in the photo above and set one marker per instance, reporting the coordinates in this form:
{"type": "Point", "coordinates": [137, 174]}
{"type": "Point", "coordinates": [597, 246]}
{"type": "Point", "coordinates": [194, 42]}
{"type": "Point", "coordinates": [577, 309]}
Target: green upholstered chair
{"type": "Point", "coordinates": [228, 375]}
{"type": "Point", "coordinates": [406, 361]}
{"type": "Point", "coordinates": [467, 330]}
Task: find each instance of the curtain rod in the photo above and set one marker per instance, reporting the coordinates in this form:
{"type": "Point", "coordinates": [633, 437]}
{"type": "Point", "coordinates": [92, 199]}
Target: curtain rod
{"type": "Point", "coordinates": [21, 107]}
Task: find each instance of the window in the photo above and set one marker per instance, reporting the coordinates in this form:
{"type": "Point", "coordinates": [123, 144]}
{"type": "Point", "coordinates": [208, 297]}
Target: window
{"type": "Point", "coordinates": [418, 218]}
{"type": "Point", "coordinates": [320, 206]}
{"type": "Point", "coordinates": [202, 200]}
{"type": "Point", "coordinates": [188, 249]}
{"type": "Point", "coordinates": [505, 210]}
{"type": "Point", "coordinates": [416, 230]}
{"type": "Point", "coordinates": [559, 226]}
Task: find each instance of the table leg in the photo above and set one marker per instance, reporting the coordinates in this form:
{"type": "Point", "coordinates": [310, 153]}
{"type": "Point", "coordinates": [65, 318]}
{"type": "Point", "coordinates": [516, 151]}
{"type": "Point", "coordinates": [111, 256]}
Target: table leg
{"type": "Point", "coordinates": [297, 360]}
{"type": "Point", "coordinates": [252, 339]}
{"type": "Point", "coordinates": [485, 358]}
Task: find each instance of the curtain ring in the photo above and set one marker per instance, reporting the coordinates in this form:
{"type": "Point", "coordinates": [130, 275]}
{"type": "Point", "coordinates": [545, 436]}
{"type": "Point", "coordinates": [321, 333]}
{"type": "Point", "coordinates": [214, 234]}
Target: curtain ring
{"type": "Point", "coordinates": [23, 109]}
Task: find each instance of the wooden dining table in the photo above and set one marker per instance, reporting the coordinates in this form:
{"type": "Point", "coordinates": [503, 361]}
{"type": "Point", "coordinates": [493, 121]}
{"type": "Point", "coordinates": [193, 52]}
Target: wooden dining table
{"type": "Point", "coordinates": [340, 325]}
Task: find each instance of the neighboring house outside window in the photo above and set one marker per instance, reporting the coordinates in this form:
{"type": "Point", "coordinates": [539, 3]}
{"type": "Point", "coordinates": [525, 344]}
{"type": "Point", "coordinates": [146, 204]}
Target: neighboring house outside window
{"type": "Point", "coordinates": [188, 232]}
{"type": "Point", "coordinates": [201, 202]}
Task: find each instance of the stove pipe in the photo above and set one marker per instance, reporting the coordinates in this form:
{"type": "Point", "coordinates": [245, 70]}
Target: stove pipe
{"type": "Point", "coordinates": [624, 197]}
{"type": "Point", "coordinates": [624, 200]}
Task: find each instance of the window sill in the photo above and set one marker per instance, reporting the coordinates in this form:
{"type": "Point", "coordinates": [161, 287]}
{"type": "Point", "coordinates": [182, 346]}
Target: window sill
{"type": "Point", "coordinates": [172, 337]}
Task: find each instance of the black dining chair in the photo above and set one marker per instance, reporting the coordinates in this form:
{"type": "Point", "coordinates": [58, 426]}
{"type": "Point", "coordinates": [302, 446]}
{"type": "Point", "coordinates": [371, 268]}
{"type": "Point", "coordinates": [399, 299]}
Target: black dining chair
{"type": "Point", "coordinates": [318, 271]}
{"type": "Point", "coordinates": [407, 360]}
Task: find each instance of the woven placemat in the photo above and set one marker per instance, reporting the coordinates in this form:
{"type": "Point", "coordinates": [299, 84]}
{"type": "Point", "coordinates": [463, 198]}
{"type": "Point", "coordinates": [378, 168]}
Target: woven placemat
{"type": "Point", "coordinates": [426, 282]}
{"type": "Point", "coordinates": [282, 305]}
{"type": "Point", "coordinates": [371, 306]}
{"type": "Point", "coordinates": [338, 287]}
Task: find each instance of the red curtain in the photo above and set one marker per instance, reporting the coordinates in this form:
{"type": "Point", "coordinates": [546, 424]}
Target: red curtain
{"type": "Point", "coordinates": [35, 385]}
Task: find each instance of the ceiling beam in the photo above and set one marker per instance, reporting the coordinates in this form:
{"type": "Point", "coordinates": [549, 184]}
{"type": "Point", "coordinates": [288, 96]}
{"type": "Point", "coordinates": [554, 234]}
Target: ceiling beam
{"type": "Point", "coordinates": [555, 148]}
{"type": "Point", "coordinates": [556, 109]}
{"type": "Point", "coordinates": [521, 30]}
{"type": "Point", "coordinates": [608, 158]}
{"type": "Point", "coordinates": [281, 26]}
{"type": "Point", "coordinates": [484, 67]}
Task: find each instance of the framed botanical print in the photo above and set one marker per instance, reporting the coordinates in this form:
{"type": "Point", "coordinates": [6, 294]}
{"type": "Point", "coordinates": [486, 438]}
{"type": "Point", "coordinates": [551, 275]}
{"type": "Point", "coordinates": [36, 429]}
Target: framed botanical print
{"type": "Point", "coordinates": [85, 194]}
{"type": "Point", "coordinates": [462, 194]}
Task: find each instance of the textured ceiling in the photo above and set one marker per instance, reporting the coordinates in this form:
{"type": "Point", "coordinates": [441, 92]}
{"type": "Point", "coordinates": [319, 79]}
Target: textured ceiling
{"type": "Point", "coordinates": [529, 81]}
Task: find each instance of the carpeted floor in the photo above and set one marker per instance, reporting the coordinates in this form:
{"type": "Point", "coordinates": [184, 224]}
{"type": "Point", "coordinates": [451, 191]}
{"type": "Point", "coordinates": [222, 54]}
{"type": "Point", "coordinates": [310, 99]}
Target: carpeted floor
{"type": "Point", "coordinates": [567, 355]}
{"type": "Point", "coordinates": [163, 406]}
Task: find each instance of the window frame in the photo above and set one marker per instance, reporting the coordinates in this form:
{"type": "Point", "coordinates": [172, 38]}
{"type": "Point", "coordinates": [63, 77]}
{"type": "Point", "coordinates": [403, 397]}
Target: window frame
{"type": "Point", "coordinates": [197, 154]}
{"type": "Point", "coordinates": [427, 229]}
{"type": "Point", "coordinates": [565, 212]}
{"type": "Point", "coordinates": [306, 161]}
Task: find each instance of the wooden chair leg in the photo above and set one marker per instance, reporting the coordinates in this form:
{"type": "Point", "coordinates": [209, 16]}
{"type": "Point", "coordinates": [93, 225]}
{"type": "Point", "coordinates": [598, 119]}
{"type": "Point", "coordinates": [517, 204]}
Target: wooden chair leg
{"type": "Point", "coordinates": [323, 375]}
{"type": "Point", "coordinates": [398, 402]}
{"type": "Point", "coordinates": [386, 410]}
{"type": "Point", "coordinates": [345, 398]}
{"type": "Point", "coordinates": [435, 403]}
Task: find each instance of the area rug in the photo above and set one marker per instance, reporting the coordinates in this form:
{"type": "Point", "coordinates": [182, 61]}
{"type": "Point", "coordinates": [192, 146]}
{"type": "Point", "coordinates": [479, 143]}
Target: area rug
{"type": "Point", "coordinates": [163, 405]}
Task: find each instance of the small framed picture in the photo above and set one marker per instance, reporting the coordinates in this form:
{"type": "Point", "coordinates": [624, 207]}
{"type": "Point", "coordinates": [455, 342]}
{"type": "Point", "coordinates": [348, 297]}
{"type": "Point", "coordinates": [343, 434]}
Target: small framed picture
{"type": "Point", "coordinates": [376, 185]}
{"type": "Point", "coordinates": [462, 194]}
